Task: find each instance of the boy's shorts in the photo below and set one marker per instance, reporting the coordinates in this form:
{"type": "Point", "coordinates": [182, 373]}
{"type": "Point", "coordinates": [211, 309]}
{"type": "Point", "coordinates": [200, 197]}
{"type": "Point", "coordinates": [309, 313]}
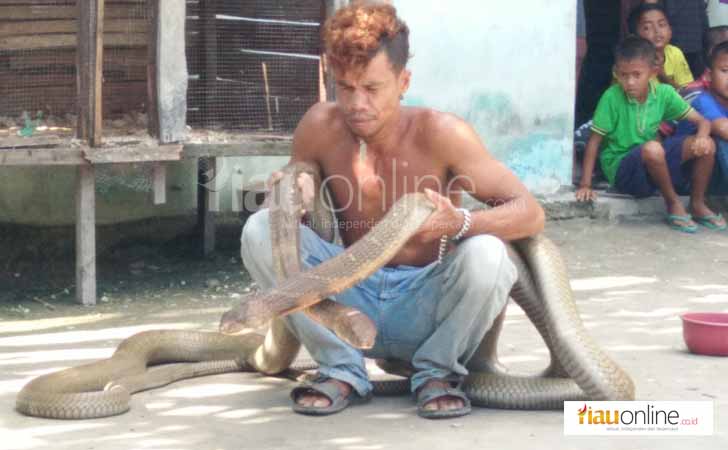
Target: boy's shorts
{"type": "Point", "coordinates": [634, 179]}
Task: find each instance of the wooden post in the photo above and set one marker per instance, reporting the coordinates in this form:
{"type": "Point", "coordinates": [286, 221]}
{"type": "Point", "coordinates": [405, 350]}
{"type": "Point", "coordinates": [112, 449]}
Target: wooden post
{"type": "Point", "coordinates": [171, 76]}
{"type": "Point", "coordinates": [159, 177]}
{"type": "Point", "coordinates": [209, 41]}
{"type": "Point", "coordinates": [90, 55]}
{"type": "Point", "coordinates": [86, 235]}
{"type": "Point", "coordinates": [323, 91]}
{"type": "Point", "coordinates": [152, 91]}
{"type": "Point", "coordinates": [205, 219]}
{"type": "Point", "coordinates": [208, 202]}
{"type": "Point", "coordinates": [267, 95]}
{"type": "Point", "coordinates": [329, 83]}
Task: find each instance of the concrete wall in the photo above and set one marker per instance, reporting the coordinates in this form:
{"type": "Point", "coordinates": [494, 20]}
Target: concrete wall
{"type": "Point", "coordinates": [508, 69]}
{"type": "Point", "coordinates": [45, 195]}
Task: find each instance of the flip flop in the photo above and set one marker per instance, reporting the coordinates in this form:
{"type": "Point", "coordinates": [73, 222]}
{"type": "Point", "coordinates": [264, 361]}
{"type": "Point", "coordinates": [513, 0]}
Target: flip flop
{"type": "Point", "coordinates": [329, 389]}
{"type": "Point", "coordinates": [427, 394]}
{"type": "Point", "coordinates": [674, 221]}
{"type": "Point", "coordinates": [709, 221]}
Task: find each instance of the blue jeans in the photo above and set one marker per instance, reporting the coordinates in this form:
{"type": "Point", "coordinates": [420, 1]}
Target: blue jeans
{"type": "Point", "coordinates": [433, 316]}
{"type": "Point", "coordinates": [719, 181]}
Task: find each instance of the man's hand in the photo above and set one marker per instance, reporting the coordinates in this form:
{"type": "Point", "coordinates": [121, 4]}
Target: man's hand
{"type": "Point", "coordinates": [701, 146]}
{"type": "Point", "coordinates": [305, 184]}
{"type": "Point", "coordinates": [446, 219]}
{"type": "Point", "coordinates": [585, 194]}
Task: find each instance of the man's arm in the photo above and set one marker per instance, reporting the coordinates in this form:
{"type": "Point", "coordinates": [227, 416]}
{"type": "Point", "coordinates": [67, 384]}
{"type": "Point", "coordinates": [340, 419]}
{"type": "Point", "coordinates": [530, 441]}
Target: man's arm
{"type": "Point", "coordinates": [515, 213]}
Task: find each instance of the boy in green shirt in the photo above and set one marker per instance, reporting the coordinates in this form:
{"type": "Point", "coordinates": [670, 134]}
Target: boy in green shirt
{"type": "Point", "coordinates": [634, 161]}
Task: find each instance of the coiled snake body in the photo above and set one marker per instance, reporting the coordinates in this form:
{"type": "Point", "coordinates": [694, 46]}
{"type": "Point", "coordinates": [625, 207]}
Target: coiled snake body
{"type": "Point", "coordinates": [579, 369]}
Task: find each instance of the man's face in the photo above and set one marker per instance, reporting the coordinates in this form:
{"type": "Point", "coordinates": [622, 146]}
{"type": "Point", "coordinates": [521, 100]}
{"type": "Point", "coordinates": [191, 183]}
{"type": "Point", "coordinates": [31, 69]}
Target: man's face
{"type": "Point", "coordinates": [655, 27]}
{"type": "Point", "coordinates": [370, 97]}
{"type": "Point", "coordinates": [719, 76]}
{"type": "Point", "coordinates": [634, 76]}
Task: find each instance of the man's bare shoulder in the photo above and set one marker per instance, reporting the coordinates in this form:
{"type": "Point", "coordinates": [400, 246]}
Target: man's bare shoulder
{"type": "Point", "coordinates": [320, 128]}
{"type": "Point", "coordinates": [322, 117]}
{"type": "Point", "coordinates": [443, 130]}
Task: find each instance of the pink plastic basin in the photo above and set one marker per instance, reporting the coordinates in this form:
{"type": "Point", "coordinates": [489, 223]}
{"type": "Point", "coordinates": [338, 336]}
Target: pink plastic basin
{"type": "Point", "coordinates": [706, 333]}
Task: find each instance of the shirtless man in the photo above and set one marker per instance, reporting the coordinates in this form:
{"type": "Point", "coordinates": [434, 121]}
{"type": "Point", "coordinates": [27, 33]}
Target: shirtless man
{"type": "Point", "coordinates": [431, 309]}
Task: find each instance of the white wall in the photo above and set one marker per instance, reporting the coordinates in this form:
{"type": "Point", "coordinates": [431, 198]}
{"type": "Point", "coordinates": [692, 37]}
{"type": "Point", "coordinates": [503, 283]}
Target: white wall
{"type": "Point", "coordinates": [507, 68]}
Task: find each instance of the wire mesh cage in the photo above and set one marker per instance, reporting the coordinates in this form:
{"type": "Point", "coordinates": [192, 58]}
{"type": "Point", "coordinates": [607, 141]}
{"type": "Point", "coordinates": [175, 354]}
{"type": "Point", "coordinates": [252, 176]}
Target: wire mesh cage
{"type": "Point", "coordinates": [254, 64]}
{"type": "Point", "coordinates": [126, 35]}
{"type": "Point", "coordinates": [37, 67]}
{"type": "Point", "coordinates": [38, 57]}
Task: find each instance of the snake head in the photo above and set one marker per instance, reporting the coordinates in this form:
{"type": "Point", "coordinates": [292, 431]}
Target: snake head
{"type": "Point", "coordinates": [249, 314]}
{"type": "Point", "coordinates": [231, 322]}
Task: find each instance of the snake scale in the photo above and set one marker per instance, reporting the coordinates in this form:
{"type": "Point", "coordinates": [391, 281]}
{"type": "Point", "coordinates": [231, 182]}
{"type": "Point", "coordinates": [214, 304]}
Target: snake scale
{"type": "Point", "coordinates": [579, 369]}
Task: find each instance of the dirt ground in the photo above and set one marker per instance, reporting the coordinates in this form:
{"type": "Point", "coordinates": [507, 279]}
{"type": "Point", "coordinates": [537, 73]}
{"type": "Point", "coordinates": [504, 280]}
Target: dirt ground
{"type": "Point", "coordinates": [631, 281]}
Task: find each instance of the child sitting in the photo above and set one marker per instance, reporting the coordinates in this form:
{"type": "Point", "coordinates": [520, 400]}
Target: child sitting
{"type": "Point", "coordinates": [712, 103]}
{"type": "Point", "coordinates": [712, 37]}
{"type": "Point", "coordinates": [650, 22]}
{"type": "Point", "coordinates": [634, 162]}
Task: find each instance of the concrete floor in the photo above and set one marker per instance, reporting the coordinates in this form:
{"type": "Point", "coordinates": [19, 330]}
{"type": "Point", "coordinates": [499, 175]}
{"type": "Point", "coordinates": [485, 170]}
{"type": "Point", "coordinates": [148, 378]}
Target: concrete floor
{"type": "Point", "coordinates": [631, 281]}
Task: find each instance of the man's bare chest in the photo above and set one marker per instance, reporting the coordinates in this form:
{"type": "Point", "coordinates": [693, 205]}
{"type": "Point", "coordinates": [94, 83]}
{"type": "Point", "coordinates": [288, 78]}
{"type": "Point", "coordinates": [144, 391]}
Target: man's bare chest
{"type": "Point", "coordinates": [370, 183]}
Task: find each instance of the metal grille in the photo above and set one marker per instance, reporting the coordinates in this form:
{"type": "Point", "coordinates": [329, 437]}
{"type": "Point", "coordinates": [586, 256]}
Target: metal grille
{"type": "Point", "coordinates": [254, 64]}
{"type": "Point", "coordinates": [37, 67]}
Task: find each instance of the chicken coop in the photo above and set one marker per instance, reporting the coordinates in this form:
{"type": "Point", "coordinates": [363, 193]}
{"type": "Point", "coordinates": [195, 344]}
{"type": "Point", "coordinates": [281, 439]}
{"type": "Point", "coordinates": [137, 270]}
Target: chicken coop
{"type": "Point", "coordinates": [101, 82]}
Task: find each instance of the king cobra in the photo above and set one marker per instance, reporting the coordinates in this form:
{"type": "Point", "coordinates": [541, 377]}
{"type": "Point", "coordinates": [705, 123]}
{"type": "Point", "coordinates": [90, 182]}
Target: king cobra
{"type": "Point", "coordinates": [579, 368]}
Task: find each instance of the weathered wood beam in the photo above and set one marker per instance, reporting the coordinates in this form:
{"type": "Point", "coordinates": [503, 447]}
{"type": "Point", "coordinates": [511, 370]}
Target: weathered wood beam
{"type": "Point", "coordinates": [31, 152]}
{"type": "Point", "coordinates": [35, 12]}
{"type": "Point", "coordinates": [171, 73]}
{"type": "Point", "coordinates": [42, 157]}
{"type": "Point", "coordinates": [86, 236]}
{"type": "Point", "coordinates": [48, 41]}
{"type": "Point", "coordinates": [209, 46]}
{"type": "Point", "coordinates": [206, 170]}
{"type": "Point", "coordinates": [159, 179]}
{"type": "Point", "coordinates": [151, 65]}
{"type": "Point", "coordinates": [242, 148]}
{"type": "Point", "coordinates": [110, 154]}
{"type": "Point", "coordinates": [327, 87]}
{"type": "Point", "coordinates": [90, 70]}
{"type": "Point", "coordinates": [68, 26]}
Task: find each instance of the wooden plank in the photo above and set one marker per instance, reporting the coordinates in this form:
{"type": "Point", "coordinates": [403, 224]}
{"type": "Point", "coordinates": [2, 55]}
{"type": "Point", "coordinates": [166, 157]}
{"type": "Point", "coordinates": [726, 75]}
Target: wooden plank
{"type": "Point", "coordinates": [23, 142]}
{"type": "Point", "coordinates": [172, 77]}
{"type": "Point", "coordinates": [31, 60]}
{"type": "Point", "coordinates": [59, 2]}
{"type": "Point", "coordinates": [46, 41]}
{"type": "Point", "coordinates": [210, 204]}
{"type": "Point", "coordinates": [133, 153]}
{"type": "Point", "coordinates": [159, 179]}
{"type": "Point", "coordinates": [44, 12]}
{"type": "Point", "coordinates": [243, 148]}
{"type": "Point", "coordinates": [331, 7]}
{"type": "Point", "coordinates": [67, 156]}
{"type": "Point", "coordinates": [90, 70]}
{"type": "Point", "coordinates": [209, 49]}
{"type": "Point", "coordinates": [68, 26]}
{"type": "Point", "coordinates": [36, 2]}
{"type": "Point", "coordinates": [152, 91]}
{"type": "Point", "coordinates": [86, 235]}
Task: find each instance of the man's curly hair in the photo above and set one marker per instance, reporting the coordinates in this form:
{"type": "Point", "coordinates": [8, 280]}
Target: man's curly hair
{"type": "Point", "coordinates": [356, 33]}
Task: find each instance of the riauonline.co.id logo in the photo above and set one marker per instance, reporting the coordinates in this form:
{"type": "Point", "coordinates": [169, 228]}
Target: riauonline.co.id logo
{"type": "Point", "coordinates": [639, 417]}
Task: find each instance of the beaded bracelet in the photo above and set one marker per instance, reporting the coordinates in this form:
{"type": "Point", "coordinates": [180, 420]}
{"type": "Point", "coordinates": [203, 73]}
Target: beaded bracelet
{"type": "Point", "coordinates": [467, 221]}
